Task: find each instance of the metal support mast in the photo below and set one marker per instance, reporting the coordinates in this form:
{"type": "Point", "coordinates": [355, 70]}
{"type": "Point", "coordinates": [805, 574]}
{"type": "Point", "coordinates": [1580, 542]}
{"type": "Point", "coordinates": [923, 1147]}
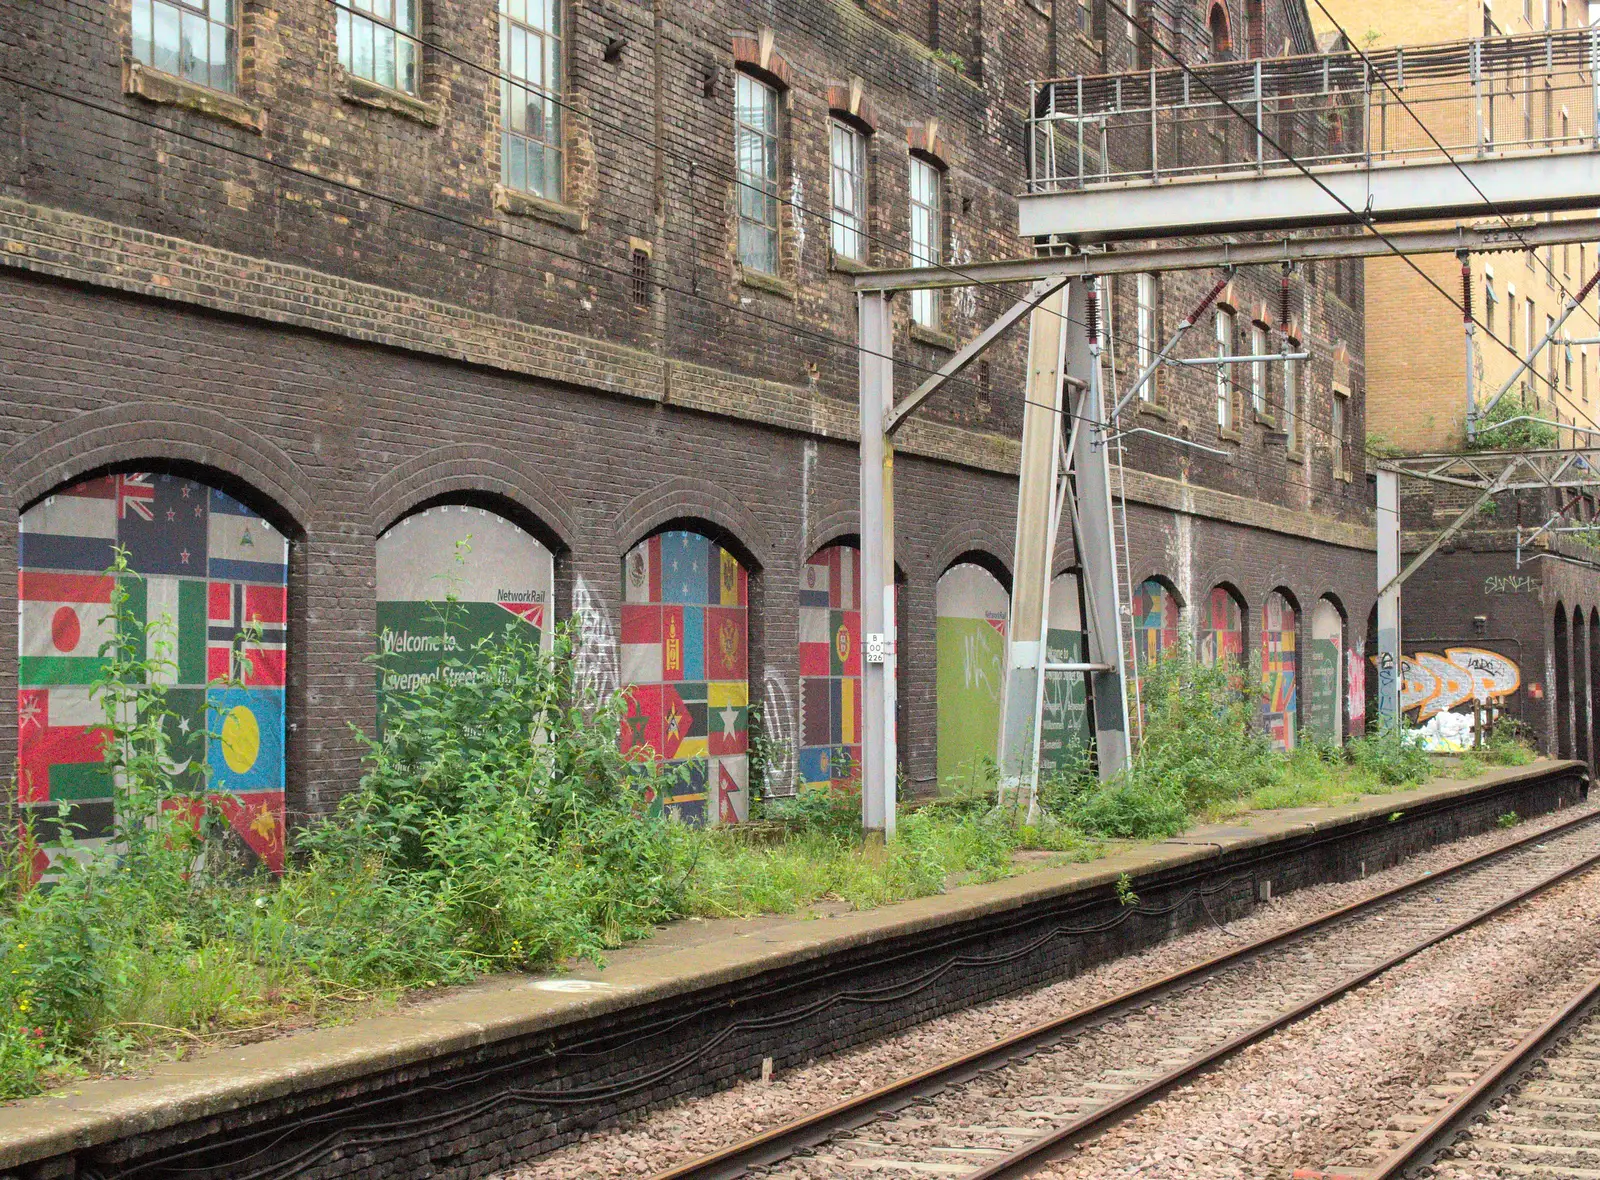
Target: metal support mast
{"type": "Point", "coordinates": [880, 762]}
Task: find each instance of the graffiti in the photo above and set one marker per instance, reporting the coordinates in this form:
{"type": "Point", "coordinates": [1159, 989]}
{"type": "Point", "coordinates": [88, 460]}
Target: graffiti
{"type": "Point", "coordinates": [1065, 724]}
{"type": "Point", "coordinates": [1433, 683]}
{"type": "Point", "coordinates": [1356, 677]}
{"type": "Point", "coordinates": [1325, 675]}
{"type": "Point", "coordinates": [597, 669]}
{"type": "Point", "coordinates": [777, 723]}
{"type": "Point", "coordinates": [1511, 584]}
{"type": "Point", "coordinates": [1493, 675]}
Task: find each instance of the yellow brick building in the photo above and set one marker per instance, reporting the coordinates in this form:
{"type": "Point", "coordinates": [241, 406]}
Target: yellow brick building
{"type": "Point", "coordinates": [1416, 354]}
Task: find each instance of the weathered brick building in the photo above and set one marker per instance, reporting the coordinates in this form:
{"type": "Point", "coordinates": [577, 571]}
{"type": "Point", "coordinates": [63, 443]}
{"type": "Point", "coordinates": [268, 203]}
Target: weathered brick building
{"type": "Point", "coordinates": [586, 266]}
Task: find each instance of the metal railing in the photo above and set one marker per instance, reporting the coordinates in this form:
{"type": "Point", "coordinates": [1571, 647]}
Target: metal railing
{"type": "Point", "coordinates": [1478, 98]}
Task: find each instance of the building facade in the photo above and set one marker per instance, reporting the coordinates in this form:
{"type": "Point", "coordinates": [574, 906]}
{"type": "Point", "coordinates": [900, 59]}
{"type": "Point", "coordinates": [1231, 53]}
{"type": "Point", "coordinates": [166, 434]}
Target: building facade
{"type": "Point", "coordinates": [327, 313]}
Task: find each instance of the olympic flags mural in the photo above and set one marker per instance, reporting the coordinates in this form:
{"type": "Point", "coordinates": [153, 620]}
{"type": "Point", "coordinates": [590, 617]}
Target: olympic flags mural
{"type": "Point", "coordinates": [1222, 630]}
{"type": "Point", "coordinates": [1279, 671]}
{"type": "Point", "coordinates": [218, 573]}
{"type": "Point", "coordinates": [830, 667]}
{"type": "Point", "coordinates": [1065, 725]}
{"type": "Point", "coordinates": [970, 644]}
{"type": "Point", "coordinates": [449, 577]}
{"type": "Point", "coordinates": [684, 651]}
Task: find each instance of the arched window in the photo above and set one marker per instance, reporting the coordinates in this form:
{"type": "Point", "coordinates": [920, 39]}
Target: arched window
{"type": "Point", "coordinates": [216, 572]}
{"type": "Point", "coordinates": [1280, 666]}
{"type": "Point", "coordinates": [1155, 620]}
{"type": "Point", "coordinates": [1221, 43]}
{"type": "Point", "coordinates": [1325, 708]}
{"type": "Point", "coordinates": [1222, 629]}
{"type": "Point", "coordinates": [449, 576]}
{"type": "Point", "coordinates": [685, 631]}
{"type": "Point", "coordinates": [973, 609]}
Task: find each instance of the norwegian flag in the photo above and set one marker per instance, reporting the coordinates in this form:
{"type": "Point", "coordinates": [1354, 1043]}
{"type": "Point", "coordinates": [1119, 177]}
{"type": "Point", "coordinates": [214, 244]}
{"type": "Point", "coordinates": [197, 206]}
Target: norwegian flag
{"type": "Point", "coordinates": [136, 494]}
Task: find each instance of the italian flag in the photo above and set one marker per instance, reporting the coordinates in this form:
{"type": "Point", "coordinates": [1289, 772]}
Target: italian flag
{"type": "Point", "coordinates": [65, 619]}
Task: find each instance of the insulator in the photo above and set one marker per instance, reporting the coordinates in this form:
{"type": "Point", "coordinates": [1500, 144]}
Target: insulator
{"type": "Point", "coordinates": [1092, 314]}
{"type": "Point", "coordinates": [1466, 292]}
{"type": "Point", "coordinates": [1283, 301]}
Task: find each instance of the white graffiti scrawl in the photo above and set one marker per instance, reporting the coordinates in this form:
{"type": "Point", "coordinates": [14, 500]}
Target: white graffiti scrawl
{"type": "Point", "coordinates": [777, 722]}
{"type": "Point", "coordinates": [598, 671]}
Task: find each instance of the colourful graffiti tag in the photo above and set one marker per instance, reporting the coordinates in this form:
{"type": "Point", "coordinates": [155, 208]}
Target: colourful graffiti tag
{"type": "Point", "coordinates": [1494, 676]}
{"type": "Point", "coordinates": [830, 667]}
{"type": "Point", "coordinates": [1279, 671]}
{"type": "Point", "coordinates": [1356, 688]}
{"type": "Point", "coordinates": [217, 573]}
{"type": "Point", "coordinates": [683, 666]}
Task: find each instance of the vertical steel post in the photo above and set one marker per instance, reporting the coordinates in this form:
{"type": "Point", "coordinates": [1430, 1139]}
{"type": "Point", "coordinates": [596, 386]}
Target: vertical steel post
{"type": "Point", "coordinates": [1032, 551]}
{"type": "Point", "coordinates": [1389, 601]}
{"type": "Point", "coordinates": [878, 756]}
{"type": "Point", "coordinates": [1261, 141]}
{"type": "Point", "coordinates": [1096, 545]}
{"type": "Point", "coordinates": [1468, 329]}
{"type": "Point", "coordinates": [1155, 139]}
{"type": "Point", "coordinates": [1594, 85]}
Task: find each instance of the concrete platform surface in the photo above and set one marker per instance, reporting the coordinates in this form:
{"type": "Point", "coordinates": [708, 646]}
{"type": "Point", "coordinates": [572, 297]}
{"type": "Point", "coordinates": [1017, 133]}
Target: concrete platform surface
{"type": "Point", "coordinates": [681, 957]}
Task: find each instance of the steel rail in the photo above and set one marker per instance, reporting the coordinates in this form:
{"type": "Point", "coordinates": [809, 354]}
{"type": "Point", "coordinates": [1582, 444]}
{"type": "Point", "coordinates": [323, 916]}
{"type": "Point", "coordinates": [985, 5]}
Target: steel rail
{"type": "Point", "coordinates": [1442, 1129]}
{"type": "Point", "coordinates": [810, 1131]}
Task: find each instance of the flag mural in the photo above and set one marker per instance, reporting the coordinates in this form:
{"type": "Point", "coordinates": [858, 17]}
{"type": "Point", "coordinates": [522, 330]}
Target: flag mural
{"type": "Point", "coordinates": [1222, 629]}
{"type": "Point", "coordinates": [830, 667]}
{"type": "Point", "coordinates": [970, 647]}
{"type": "Point", "coordinates": [1279, 671]}
{"type": "Point", "coordinates": [1325, 715]}
{"type": "Point", "coordinates": [1064, 726]}
{"type": "Point", "coordinates": [1155, 633]}
{"type": "Point", "coordinates": [448, 577]}
{"type": "Point", "coordinates": [685, 631]}
{"type": "Point", "coordinates": [218, 573]}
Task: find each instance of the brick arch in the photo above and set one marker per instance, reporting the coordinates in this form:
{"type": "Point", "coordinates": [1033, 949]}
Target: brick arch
{"type": "Point", "coordinates": [175, 434]}
{"type": "Point", "coordinates": [838, 522]}
{"type": "Point", "coordinates": [473, 471]}
{"type": "Point", "coordinates": [685, 499]}
{"type": "Point", "coordinates": [978, 537]}
{"type": "Point", "coordinates": [1166, 581]}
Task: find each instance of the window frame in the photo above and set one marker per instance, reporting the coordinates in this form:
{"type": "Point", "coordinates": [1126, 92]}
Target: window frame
{"type": "Point", "coordinates": [189, 13]}
{"type": "Point", "coordinates": [1227, 333]}
{"type": "Point", "coordinates": [847, 222]}
{"type": "Point", "coordinates": [346, 15]}
{"type": "Point", "coordinates": [1258, 368]}
{"type": "Point", "coordinates": [1146, 292]}
{"type": "Point", "coordinates": [926, 305]}
{"type": "Point", "coordinates": [1338, 424]}
{"type": "Point", "coordinates": [552, 45]}
{"type": "Point", "coordinates": [765, 183]}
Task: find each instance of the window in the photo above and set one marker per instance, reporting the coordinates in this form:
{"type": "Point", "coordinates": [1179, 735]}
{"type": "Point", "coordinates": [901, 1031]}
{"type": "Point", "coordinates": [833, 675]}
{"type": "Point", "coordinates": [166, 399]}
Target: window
{"type": "Point", "coordinates": [530, 93]}
{"type": "Point", "coordinates": [1221, 48]}
{"type": "Point", "coordinates": [1255, 29]}
{"type": "Point", "coordinates": [1339, 400]}
{"type": "Point", "coordinates": [1527, 323]}
{"type": "Point", "coordinates": [191, 39]}
{"type": "Point", "coordinates": [1511, 322]}
{"type": "Point", "coordinates": [1258, 370]}
{"type": "Point", "coordinates": [639, 278]}
{"type": "Point", "coordinates": [849, 191]}
{"type": "Point", "coordinates": [756, 145]}
{"type": "Point", "coordinates": [378, 42]}
{"type": "Point", "coordinates": [1291, 403]}
{"type": "Point", "coordinates": [1489, 305]}
{"type": "Point", "coordinates": [1527, 12]}
{"type": "Point", "coordinates": [926, 235]}
{"type": "Point", "coordinates": [1145, 331]}
{"type": "Point", "coordinates": [1566, 251]}
{"type": "Point", "coordinates": [1225, 338]}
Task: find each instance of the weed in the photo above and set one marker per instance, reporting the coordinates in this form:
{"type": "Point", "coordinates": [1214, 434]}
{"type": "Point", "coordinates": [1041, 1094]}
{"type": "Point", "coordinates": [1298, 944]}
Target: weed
{"type": "Point", "coordinates": [1125, 893]}
{"type": "Point", "coordinates": [1509, 820]}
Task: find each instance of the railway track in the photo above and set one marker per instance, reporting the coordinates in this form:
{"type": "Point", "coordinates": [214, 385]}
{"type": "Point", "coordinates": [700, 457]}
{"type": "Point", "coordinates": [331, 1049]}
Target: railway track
{"type": "Point", "coordinates": [1009, 1108]}
{"type": "Point", "coordinates": [1534, 1110]}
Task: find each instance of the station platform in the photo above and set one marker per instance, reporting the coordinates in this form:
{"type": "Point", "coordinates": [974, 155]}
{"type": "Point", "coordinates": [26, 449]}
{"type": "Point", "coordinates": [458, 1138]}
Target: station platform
{"type": "Point", "coordinates": [476, 1078]}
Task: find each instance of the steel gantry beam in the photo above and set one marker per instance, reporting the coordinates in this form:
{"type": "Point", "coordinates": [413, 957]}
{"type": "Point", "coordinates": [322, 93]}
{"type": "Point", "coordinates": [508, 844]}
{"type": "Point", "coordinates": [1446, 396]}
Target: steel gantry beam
{"type": "Point", "coordinates": [1300, 248]}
